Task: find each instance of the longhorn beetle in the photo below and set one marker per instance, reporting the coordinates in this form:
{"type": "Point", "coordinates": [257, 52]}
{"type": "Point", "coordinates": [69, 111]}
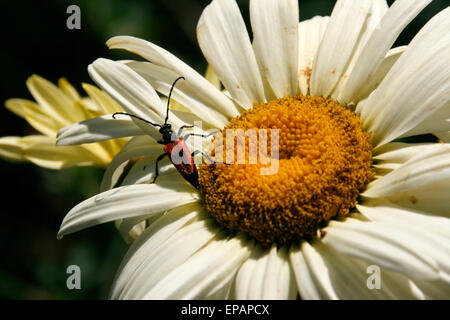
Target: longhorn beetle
{"type": "Point", "coordinates": [187, 167]}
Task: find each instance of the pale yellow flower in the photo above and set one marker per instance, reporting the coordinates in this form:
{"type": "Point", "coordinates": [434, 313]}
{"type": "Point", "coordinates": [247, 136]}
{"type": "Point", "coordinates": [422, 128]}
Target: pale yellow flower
{"type": "Point", "coordinates": [55, 108]}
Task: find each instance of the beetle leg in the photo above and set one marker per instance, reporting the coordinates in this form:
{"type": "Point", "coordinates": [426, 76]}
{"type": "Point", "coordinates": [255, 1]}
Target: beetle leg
{"type": "Point", "coordinates": [156, 166]}
{"type": "Point", "coordinates": [187, 135]}
{"type": "Point", "coordinates": [186, 127]}
{"type": "Point", "coordinates": [181, 129]}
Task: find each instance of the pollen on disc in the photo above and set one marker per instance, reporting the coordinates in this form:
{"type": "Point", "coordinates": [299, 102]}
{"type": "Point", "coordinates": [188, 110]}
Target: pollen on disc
{"type": "Point", "coordinates": [324, 162]}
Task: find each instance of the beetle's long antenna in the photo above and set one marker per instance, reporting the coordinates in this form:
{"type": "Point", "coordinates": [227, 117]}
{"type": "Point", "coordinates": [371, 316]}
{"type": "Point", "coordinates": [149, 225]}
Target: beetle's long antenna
{"type": "Point", "coordinates": [168, 101]}
{"type": "Point", "coordinates": [132, 115]}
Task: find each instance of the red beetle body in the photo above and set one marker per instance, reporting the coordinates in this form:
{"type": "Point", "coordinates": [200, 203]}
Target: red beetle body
{"type": "Point", "coordinates": [187, 166]}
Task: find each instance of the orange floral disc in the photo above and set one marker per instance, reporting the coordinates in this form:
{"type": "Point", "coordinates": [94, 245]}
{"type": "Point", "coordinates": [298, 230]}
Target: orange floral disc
{"type": "Point", "coordinates": [324, 162]}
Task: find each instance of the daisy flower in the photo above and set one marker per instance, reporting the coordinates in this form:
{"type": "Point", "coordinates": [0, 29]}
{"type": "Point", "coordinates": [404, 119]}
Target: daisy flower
{"type": "Point", "coordinates": [347, 198]}
{"type": "Point", "coordinates": [57, 107]}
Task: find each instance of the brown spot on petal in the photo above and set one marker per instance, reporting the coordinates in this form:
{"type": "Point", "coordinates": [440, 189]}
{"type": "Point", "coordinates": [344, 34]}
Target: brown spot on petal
{"type": "Point", "coordinates": [413, 199]}
{"type": "Point", "coordinates": [307, 73]}
{"type": "Point", "coordinates": [153, 109]}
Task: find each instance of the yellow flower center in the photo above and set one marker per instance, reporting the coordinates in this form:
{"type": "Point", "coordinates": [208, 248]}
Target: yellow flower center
{"type": "Point", "coordinates": [324, 161]}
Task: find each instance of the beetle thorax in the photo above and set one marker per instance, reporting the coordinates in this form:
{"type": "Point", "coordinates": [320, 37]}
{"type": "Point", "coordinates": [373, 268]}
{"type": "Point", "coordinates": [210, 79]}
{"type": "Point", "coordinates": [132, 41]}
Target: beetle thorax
{"type": "Point", "coordinates": [166, 131]}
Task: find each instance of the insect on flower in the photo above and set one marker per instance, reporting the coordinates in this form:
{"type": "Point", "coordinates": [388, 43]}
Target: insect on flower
{"type": "Point", "coordinates": [175, 147]}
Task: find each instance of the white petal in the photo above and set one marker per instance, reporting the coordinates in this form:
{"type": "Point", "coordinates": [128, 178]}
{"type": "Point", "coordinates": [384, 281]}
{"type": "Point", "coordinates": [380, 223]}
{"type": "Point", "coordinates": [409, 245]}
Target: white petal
{"type": "Point", "coordinates": [430, 199]}
{"type": "Point", "coordinates": [275, 41]}
{"type": "Point", "coordinates": [162, 79]}
{"type": "Point", "coordinates": [386, 211]}
{"type": "Point", "coordinates": [137, 146]}
{"type": "Point", "coordinates": [436, 122]}
{"type": "Point", "coordinates": [130, 90]}
{"type": "Point", "coordinates": [399, 152]}
{"type": "Point", "coordinates": [203, 89]}
{"type": "Point", "coordinates": [320, 275]}
{"type": "Point", "coordinates": [136, 95]}
{"type": "Point", "coordinates": [225, 43]}
{"type": "Point", "coordinates": [397, 286]}
{"type": "Point", "coordinates": [377, 10]}
{"type": "Point", "coordinates": [188, 117]}
{"type": "Point", "coordinates": [382, 169]}
{"type": "Point", "coordinates": [384, 245]}
{"type": "Point", "coordinates": [415, 87]}
{"type": "Point", "coordinates": [280, 283]}
{"type": "Point", "coordinates": [243, 282]}
{"type": "Point", "coordinates": [393, 155]}
{"type": "Point", "coordinates": [435, 231]}
{"type": "Point", "coordinates": [305, 283]}
{"type": "Point", "coordinates": [143, 171]}
{"type": "Point", "coordinates": [127, 202]}
{"type": "Point", "coordinates": [310, 35]}
{"type": "Point", "coordinates": [266, 275]}
{"type": "Point", "coordinates": [212, 77]}
{"type": "Point", "coordinates": [423, 182]}
{"type": "Point", "coordinates": [215, 263]}
{"type": "Point", "coordinates": [98, 129]}
{"type": "Point", "coordinates": [220, 292]}
{"type": "Point", "coordinates": [131, 228]}
{"type": "Point", "coordinates": [153, 242]}
{"type": "Point", "coordinates": [436, 290]}
{"type": "Point", "coordinates": [343, 31]}
{"type": "Point", "coordinates": [378, 75]}
{"type": "Point", "coordinates": [349, 278]}
{"type": "Point", "coordinates": [162, 260]}
{"type": "Point", "coordinates": [377, 46]}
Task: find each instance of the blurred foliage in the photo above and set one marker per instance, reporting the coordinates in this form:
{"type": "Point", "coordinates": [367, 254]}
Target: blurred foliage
{"type": "Point", "coordinates": [35, 200]}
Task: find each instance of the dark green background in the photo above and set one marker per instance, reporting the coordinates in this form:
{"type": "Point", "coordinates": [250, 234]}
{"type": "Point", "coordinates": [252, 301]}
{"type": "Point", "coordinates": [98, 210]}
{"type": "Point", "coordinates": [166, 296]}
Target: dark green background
{"type": "Point", "coordinates": [34, 200]}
